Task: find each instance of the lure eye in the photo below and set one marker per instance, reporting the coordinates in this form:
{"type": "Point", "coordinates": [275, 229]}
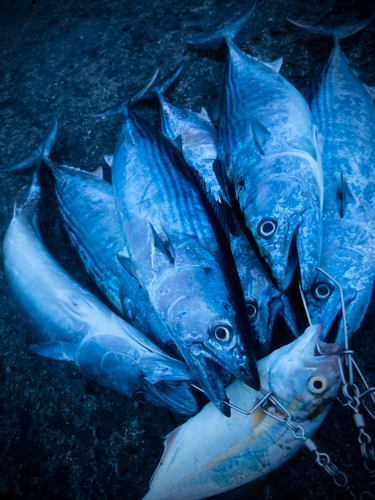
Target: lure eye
{"type": "Point", "coordinates": [317, 385]}
{"type": "Point", "coordinates": [140, 397]}
{"type": "Point", "coordinates": [171, 349]}
{"type": "Point", "coordinates": [267, 228]}
{"type": "Point", "coordinates": [252, 310]}
{"type": "Point", "coordinates": [223, 333]}
{"type": "Point", "coordinates": [322, 291]}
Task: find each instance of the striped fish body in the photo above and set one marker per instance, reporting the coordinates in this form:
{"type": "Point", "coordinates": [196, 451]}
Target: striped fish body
{"type": "Point", "coordinates": [69, 323]}
{"type": "Point", "coordinates": [88, 209]}
{"type": "Point", "coordinates": [198, 140]}
{"type": "Point", "coordinates": [176, 255]}
{"type": "Point", "coordinates": [345, 113]}
{"type": "Point", "coordinates": [269, 146]}
{"type": "Point", "coordinates": [199, 148]}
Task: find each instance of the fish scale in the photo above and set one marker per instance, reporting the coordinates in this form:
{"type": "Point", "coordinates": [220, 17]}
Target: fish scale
{"type": "Point", "coordinates": [175, 254]}
{"type": "Point", "coordinates": [344, 110]}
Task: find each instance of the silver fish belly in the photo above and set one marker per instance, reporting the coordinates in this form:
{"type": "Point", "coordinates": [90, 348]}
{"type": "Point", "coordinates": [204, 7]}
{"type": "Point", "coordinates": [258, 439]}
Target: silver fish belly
{"type": "Point", "coordinates": [69, 323]}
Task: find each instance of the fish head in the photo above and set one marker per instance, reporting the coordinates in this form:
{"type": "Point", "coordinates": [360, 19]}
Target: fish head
{"type": "Point", "coordinates": [283, 213]}
{"type": "Point", "coordinates": [306, 374]}
{"type": "Point", "coordinates": [206, 325]}
{"type": "Point", "coordinates": [347, 260]}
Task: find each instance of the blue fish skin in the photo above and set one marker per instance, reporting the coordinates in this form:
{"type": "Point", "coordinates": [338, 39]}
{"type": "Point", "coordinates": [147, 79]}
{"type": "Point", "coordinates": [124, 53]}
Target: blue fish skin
{"type": "Point", "coordinates": [88, 210]}
{"type": "Point", "coordinates": [176, 256]}
{"type": "Point", "coordinates": [344, 111]}
{"type": "Point", "coordinates": [199, 148]}
{"type": "Point", "coordinates": [71, 324]}
{"type": "Point", "coordinates": [270, 149]}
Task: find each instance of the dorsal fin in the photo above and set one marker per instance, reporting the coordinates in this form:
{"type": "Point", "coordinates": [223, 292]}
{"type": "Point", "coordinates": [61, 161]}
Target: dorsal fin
{"type": "Point", "coordinates": [275, 65]}
{"type": "Point", "coordinates": [98, 172]}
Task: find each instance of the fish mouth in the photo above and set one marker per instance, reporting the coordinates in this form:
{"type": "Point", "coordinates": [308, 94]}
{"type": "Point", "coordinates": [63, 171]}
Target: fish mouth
{"type": "Point", "coordinates": [206, 374]}
{"type": "Point", "coordinates": [175, 397]}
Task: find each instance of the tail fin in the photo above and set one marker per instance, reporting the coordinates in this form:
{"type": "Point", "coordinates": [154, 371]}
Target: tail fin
{"type": "Point", "coordinates": [145, 93]}
{"type": "Point", "coordinates": [338, 33]}
{"type": "Point", "coordinates": [228, 32]}
{"type": "Point", "coordinates": [34, 159]}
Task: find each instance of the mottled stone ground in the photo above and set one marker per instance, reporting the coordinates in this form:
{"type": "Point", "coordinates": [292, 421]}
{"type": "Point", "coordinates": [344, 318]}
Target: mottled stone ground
{"type": "Point", "coordinates": [61, 436]}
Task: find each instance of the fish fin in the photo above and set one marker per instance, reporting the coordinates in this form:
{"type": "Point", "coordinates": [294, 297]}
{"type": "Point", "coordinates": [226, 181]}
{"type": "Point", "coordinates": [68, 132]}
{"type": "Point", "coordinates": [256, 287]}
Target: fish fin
{"type": "Point", "coordinates": [261, 134]}
{"type": "Point", "coordinates": [124, 259]}
{"type": "Point", "coordinates": [162, 244]}
{"type": "Point", "coordinates": [164, 84]}
{"type": "Point", "coordinates": [338, 33]}
{"type": "Point", "coordinates": [168, 441]}
{"type": "Point", "coordinates": [217, 207]}
{"type": "Point", "coordinates": [220, 176]}
{"type": "Point", "coordinates": [370, 90]}
{"type": "Point", "coordinates": [98, 172]}
{"type": "Point", "coordinates": [122, 107]}
{"type": "Point", "coordinates": [204, 115]}
{"type": "Point", "coordinates": [64, 351]}
{"type": "Point", "coordinates": [108, 159]}
{"type": "Point", "coordinates": [275, 65]}
{"type": "Point", "coordinates": [228, 32]}
{"type": "Point", "coordinates": [33, 159]}
{"type": "Point", "coordinates": [177, 142]}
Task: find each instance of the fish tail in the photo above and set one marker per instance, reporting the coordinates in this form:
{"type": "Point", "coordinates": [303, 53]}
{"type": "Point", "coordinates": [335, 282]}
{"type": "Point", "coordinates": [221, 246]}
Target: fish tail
{"type": "Point", "coordinates": [214, 39]}
{"type": "Point", "coordinates": [34, 159]}
{"type": "Point", "coordinates": [164, 84]}
{"type": "Point", "coordinates": [338, 33]}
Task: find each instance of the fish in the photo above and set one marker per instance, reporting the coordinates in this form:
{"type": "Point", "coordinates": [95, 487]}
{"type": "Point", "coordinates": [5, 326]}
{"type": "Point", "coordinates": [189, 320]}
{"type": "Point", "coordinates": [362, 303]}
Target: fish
{"type": "Point", "coordinates": [209, 454]}
{"type": "Point", "coordinates": [343, 108]}
{"type": "Point", "coordinates": [88, 211]}
{"type": "Point", "coordinates": [69, 323]}
{"type": "Point", "coordinates": [270, 151]}
{"type": "Point", "coordinates": [199, 147]}
{"type": "Point", "coordinates": [177, 257]}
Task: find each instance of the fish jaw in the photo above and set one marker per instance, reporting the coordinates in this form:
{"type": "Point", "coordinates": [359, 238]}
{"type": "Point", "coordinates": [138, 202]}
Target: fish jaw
{"type": "Point", "coordinates": [208, 377]}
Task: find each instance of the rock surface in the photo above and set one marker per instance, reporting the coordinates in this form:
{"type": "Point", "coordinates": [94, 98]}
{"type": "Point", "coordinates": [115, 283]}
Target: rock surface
{"type": "Point", "coordinates": [63, 437]}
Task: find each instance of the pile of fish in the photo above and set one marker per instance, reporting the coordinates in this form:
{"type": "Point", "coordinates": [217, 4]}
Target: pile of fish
{"type": "Point", "coordinates": [204, 237]}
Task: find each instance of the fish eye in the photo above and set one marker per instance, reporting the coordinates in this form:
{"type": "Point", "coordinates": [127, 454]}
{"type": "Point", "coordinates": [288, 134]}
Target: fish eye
{"type": "Point", "coordinates": [322, 291]}
{"type": "Point", "coordinates": [252, 310]}
{"type": "Point", "coordinates": [317, 385]}
{"type": "Point", "coordinates": [140, 397]}
{"type": "Point", "coordinates": [267, 228]}
{"type": "Point", "coordinates": [223, 333]}
{"type": "Point", "coordinates": [171, 349]}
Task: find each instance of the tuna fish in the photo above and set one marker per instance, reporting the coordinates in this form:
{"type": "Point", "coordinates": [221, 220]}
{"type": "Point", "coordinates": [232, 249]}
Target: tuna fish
{"type": "Point", "coordinates": [178, 259]}
{"type": "Point", "coordinates": [70, 324]}
{"type": "Point", "coordinates": [270, 151]}
{"type": "Point", "coordinates": [209, 454]}
{"type": "Point", "coordinates": [89, 215]}
{"type": "Point", "coordinates": [344, 111]}
{"type": "Point", "coordinates": [198, 142]}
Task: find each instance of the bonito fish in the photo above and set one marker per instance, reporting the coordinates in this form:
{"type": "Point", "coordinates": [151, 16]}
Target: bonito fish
{"type": "Point", "coordinates": [344, 111]}
{"type": "Point", "coordinates": [177, 258]}
{"type": "Point", "coordinates": [209, 454]}
{"type": "Point", "coordinates": [269, 148]}
{"type": "Point", "coordinates": [69, 323]}
{"type": "Point", "coordinates": [198, 143]}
